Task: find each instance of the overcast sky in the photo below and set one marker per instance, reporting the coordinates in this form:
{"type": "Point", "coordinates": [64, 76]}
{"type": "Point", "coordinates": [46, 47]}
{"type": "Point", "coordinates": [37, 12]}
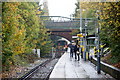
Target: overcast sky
{"type": "Point", "coordinates": [61, 7]}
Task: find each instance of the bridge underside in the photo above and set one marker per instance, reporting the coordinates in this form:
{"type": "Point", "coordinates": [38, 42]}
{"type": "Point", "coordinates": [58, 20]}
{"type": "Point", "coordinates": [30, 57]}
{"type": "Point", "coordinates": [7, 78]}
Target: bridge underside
{"type": "Point", "coordinates": [66, 33]}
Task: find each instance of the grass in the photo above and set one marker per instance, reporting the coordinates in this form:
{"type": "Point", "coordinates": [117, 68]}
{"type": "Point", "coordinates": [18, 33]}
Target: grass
{"type": "Point", "coordinates": [109, 59]}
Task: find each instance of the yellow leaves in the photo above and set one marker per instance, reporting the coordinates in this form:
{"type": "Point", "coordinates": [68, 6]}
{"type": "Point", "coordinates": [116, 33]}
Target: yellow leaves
{"type": "Point", "coordinates": [43, 43]}
{"type": "Point", "coordinates": [12, 7]}
{"type": "Point", "coordinates": [10, 62]}
{"type": "Point", "coordinates": [34, 41]}
{"type": "Point", "coordinates": [21, 32]}
{"type": "Point", "coordinates": [118, 13]}
{"type": "Point", "coordinates": [18, 16]}
{"type": "Point", "coordinates": [18, 48]}
{"type": "Point", "coordinates": [38, 12]}
{"type": "Point", "coordinates": [0, 39]}
{"type": "Point", "coordinates": [110, 22]}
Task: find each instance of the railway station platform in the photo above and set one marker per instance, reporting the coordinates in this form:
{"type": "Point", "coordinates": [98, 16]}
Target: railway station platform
{"type": "Point", "coordinates": [68, 67]}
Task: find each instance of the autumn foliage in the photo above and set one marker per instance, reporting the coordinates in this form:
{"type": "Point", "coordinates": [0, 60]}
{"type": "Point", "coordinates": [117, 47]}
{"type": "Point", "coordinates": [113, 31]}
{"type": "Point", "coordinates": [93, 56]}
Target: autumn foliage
{"type": "Point", "coordinates": [107, 15]}
{"type": "Point", "coordinates": [22, 31]}
{"type": "Point", "coordinates": [110, 28]}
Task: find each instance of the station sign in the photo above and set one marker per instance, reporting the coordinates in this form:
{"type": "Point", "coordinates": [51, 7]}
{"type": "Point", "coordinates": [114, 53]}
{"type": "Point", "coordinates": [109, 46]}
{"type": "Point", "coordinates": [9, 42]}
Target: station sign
{"type": "Point", "coordinates": [80, 35]}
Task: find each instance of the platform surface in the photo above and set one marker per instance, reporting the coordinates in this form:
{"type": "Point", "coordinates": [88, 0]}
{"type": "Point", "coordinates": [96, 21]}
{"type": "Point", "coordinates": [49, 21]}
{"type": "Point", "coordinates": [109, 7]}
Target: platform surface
{"type": "Point", "coordinates": [68, 67]}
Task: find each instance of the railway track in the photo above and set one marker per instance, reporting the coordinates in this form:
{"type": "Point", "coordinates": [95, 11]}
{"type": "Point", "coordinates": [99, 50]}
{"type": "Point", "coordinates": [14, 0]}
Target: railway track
{"type": "Point", "coordinates": [41, 71]}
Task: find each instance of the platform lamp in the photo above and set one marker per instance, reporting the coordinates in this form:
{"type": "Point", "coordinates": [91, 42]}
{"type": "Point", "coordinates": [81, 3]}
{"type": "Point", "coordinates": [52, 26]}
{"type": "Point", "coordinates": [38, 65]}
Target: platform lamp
{"type": "Point", "coordinates": [81, 35]}
{"type": "Point", "coordinates": [85, 40]}
{"type": "Point", "coordinates": [98, 44]}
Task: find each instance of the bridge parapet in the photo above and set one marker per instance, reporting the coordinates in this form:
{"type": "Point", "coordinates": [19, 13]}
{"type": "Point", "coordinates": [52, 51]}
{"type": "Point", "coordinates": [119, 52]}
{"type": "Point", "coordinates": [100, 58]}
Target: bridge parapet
{"type": "Point", "coordinates": [59, 22]}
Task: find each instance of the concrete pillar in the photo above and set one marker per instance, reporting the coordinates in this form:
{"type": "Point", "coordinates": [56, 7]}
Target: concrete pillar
{"type": "Point", "coordinates": [53, 52]}
{"type": "Point", "coordinates": [38, 52]}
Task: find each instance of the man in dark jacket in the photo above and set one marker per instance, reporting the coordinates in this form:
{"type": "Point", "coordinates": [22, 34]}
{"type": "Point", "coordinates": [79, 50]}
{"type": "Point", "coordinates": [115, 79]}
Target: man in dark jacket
{"type": "Point", "coordinates": [71, 46]}
{"type": "Point", "coordinates": [76, 51]}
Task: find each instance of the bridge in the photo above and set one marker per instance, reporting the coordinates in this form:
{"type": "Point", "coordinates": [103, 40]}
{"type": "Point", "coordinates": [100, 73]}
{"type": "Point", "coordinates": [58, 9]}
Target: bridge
{"type": "Point", "coordinates": [64, 26]}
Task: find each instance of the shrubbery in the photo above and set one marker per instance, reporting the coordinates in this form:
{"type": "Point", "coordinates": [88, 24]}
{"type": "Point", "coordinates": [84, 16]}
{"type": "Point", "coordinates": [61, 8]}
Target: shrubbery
{"type": "Point", "coordinates": [22, 31]}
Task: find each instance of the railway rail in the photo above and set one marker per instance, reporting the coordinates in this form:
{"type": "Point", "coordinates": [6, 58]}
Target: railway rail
{"type": "Point", "coordinates": [41, 71]}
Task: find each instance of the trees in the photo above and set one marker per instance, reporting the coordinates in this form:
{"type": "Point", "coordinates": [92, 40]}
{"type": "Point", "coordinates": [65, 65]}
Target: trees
{"type": "Point", "coordinates": [0, 36]}
{"type": "Point", "coordinates": [109, 23]}
{"type": "Point", "coordinates": [88, 11]}
{"type": "Point", "coordinates": [31, 23]}
{"type": "Point", "coordinates": [110, 27]}
{"type": "Point", "coordinates": [22, 31]}
{"type": "Point", "coordinates": [11, 33]}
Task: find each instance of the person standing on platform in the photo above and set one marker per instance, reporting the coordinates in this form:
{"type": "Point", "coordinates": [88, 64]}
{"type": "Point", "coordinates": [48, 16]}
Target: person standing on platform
{"type": "Point", "coordinates": [66, 47]}
{"type": "Point", "coordinates": [76, 51]}
{"type": "Point", "coordinates": [71, 46]}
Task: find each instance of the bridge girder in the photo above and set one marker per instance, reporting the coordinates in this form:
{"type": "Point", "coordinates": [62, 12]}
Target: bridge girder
{"type": "Point", "coordinates": [64, 22]}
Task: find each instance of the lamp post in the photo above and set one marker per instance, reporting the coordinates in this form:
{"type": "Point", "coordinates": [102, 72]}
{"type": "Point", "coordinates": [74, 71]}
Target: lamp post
{"type": "Point", "coordinates": [85, 41]}
{"type": "Point", "coordinates": [81, 32]}
{"type": "Point", "coordinates": [80, 9]}
{"type": "Point", "coordinates": [98, 55]}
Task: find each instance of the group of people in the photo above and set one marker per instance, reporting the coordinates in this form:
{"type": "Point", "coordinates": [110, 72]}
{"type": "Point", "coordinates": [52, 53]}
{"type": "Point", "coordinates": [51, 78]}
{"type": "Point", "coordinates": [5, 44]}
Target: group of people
{"type": "Point", "coordinates": [74, 50]}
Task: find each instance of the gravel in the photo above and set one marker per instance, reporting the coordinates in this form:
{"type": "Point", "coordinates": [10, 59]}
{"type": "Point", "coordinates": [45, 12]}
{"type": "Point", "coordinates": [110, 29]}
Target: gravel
{"type": "Point", "coordinates": [44, 71]}
{"type": "Point", "coordinates": [24, 70]}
